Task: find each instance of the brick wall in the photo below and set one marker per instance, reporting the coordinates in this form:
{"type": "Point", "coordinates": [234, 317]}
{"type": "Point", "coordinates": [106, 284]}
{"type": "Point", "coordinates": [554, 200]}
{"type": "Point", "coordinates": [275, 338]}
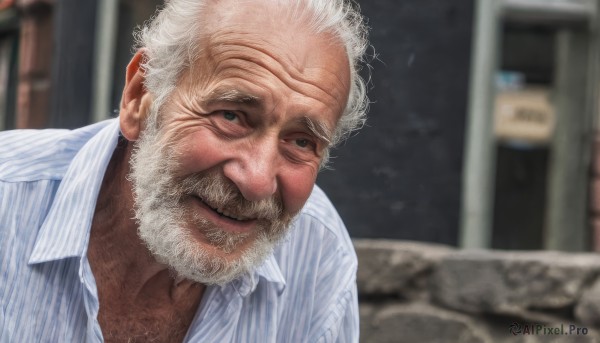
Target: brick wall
{"type": "Point", "coordinates": [35, 60]}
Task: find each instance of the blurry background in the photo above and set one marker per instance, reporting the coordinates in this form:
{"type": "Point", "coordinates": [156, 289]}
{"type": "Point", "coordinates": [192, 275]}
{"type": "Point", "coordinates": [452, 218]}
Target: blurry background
{"type": "Point", "coordinates": [481, 131]}
{"type": "Point", "coordinates": [481, 134]}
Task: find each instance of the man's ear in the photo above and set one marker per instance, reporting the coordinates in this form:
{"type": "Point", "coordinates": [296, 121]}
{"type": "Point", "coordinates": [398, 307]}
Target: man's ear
{"type": "Point", "coordinates": [136, 101]}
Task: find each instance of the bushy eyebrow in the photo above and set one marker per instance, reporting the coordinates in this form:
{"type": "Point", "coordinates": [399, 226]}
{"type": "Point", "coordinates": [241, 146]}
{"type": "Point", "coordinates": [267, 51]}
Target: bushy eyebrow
{"type": "Point", "coordinates": [234, 96]}
{"type": "Point", "coordinates": [317, 128]}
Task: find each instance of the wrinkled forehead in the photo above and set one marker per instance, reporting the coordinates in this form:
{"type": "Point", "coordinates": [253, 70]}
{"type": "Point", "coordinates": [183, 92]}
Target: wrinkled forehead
{"type": "Point", "coordinates": [278, 29]}
{"type": "Point", "coordinates": [269, 35]}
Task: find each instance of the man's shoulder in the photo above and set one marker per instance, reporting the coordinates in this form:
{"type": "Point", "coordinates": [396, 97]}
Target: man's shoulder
{"type": "Point", "coordinates": [318, 248]}
{"type": "Point", "coordinates": [321, 226]}
{"type": "Point", "coordinates": [319, 208]}
{"type": "Point", "coordinates": [30, 155]}
{"type": "Point", "coordinates": [318, 264]}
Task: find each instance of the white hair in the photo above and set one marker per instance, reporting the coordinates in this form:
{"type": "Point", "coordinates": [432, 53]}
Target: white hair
{"type": "Point", "coordinates": [172, 42]}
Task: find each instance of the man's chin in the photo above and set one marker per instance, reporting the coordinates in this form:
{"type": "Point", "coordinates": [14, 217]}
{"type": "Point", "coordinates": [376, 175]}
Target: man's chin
{"type": "Point", "coordinates": [225, 245]}
{"type": "Point", "coordinates": [193, 256]}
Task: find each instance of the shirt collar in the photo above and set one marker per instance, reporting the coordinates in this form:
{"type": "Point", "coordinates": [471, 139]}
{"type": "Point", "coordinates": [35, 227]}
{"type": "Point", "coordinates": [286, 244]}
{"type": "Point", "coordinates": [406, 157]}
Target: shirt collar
{"type": "Point", "coordinates": [269, 271]}
{"type": "Point", "coordinates": [65, 230]}
{"type": "Point", "coordinates": [63, 236]}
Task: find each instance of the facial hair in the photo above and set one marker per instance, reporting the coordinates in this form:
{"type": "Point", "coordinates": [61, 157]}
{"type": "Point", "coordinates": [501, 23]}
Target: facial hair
{"type": "Point", "coordinates": [166, 225]}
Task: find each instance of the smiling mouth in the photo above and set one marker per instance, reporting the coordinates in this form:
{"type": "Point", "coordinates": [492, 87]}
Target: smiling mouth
{"type": "Point", "coordinates": [224, 213]}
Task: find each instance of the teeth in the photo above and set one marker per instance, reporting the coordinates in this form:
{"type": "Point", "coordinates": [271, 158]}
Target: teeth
{"type": "Point", "coordinates": [227, 214]}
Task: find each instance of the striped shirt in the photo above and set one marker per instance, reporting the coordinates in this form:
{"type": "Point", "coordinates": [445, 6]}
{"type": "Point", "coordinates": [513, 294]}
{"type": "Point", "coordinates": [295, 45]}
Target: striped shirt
{"type": "Point", "coordinates": [49, 183]}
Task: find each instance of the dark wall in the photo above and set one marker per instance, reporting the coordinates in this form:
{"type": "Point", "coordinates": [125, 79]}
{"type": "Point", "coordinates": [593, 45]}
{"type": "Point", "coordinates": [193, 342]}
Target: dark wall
{"type": "Point", "coordinates": [400, 177]}
{"type": "Point", "coordinates": [520, 197]}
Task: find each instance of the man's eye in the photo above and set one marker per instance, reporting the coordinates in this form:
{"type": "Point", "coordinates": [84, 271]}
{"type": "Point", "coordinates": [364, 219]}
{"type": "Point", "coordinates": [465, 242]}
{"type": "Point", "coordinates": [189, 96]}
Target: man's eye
{"type": "Point", "coordinates": [230, 116]}
{"type": "Point", "coordinates": [303, 143]}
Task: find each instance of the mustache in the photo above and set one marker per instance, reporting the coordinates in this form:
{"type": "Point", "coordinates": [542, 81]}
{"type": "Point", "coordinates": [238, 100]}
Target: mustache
{"type": "Point", "coordinates": [220, 193]}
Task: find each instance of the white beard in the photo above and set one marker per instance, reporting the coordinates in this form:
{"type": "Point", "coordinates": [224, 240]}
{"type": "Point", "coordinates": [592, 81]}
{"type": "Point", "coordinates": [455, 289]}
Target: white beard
{"type": "Point", "coordinates": [166, 226]}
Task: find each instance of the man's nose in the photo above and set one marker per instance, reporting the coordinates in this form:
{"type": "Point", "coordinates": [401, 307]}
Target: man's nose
{"type": "Point", "coordinates": [254, 171]}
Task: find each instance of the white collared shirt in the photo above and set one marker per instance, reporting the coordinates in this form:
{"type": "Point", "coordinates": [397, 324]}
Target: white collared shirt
{"type": "Point", "coordinates": [49, 183]}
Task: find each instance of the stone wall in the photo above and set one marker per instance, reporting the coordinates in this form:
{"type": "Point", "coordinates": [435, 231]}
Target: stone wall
{"type": "Point", "coordinates": [417, 292]}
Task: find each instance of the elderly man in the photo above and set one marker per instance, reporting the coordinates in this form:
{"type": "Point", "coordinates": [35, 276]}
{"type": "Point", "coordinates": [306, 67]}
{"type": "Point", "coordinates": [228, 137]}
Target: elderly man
{"type": "Point", "coordinates": [193, 216]}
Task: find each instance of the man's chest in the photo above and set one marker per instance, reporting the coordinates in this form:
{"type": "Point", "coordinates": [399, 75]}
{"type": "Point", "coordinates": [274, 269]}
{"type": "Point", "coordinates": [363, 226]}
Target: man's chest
{"type": "Point", "coordinates": [141, 325]}
{"type": "Point", "coordinates": [127, 316]}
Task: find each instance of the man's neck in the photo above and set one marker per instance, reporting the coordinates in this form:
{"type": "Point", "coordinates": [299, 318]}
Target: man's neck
{"type": "Point", "coordinates": [128, 277]}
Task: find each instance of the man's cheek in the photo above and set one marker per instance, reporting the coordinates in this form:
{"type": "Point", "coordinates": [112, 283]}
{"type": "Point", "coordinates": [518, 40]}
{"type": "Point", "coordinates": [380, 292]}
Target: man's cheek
{"type": "Point", "coordinates": [197, 153]}
{"type": "Point", "coordinates": [296, 188]}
